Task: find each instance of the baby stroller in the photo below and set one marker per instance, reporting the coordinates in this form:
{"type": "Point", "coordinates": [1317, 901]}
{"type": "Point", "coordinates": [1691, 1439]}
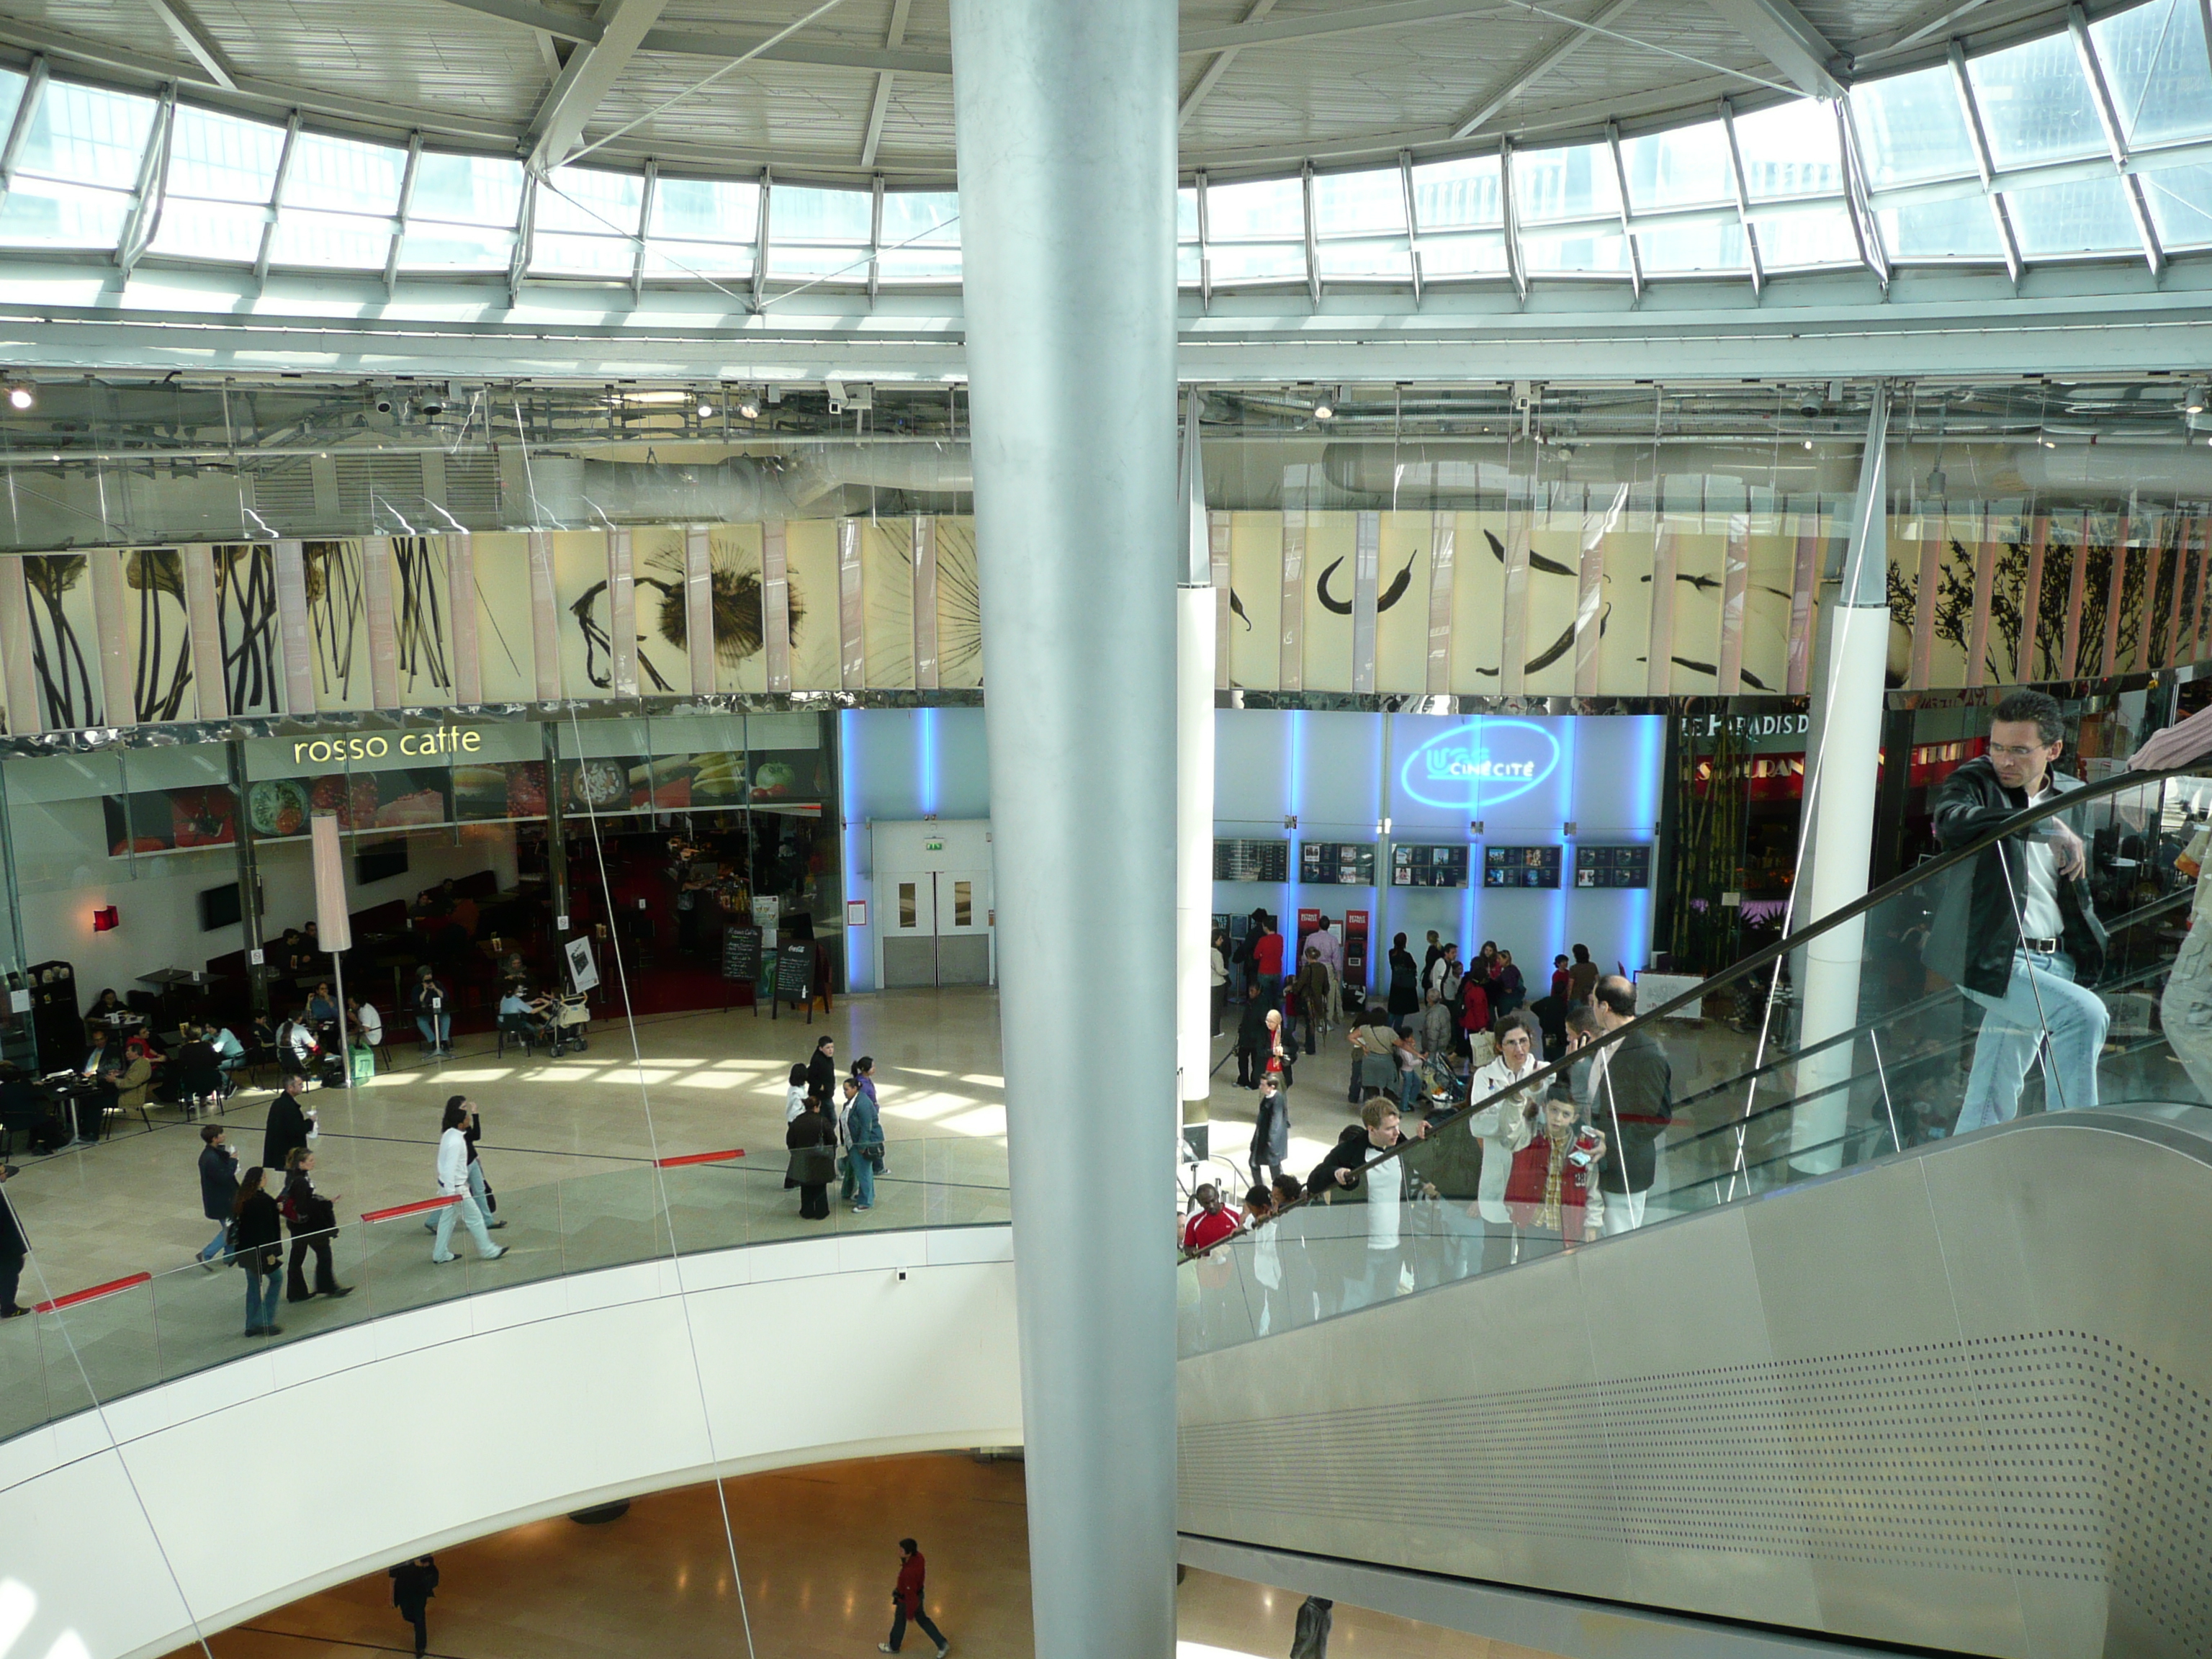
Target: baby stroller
{"type": "Point", "coordinates": [565, 1022]}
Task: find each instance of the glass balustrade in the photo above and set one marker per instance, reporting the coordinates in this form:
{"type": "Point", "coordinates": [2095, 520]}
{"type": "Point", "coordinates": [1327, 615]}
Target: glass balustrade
{"type": "Point", "coordinates": [1902, 1021]}
{"type": "Point", "coordinates": [95, 1344]}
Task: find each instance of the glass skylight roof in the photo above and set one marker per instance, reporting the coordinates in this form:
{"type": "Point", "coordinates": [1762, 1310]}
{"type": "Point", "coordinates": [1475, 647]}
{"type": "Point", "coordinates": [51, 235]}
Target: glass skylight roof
{"type": "Point", "coordinates": [1748, 193]}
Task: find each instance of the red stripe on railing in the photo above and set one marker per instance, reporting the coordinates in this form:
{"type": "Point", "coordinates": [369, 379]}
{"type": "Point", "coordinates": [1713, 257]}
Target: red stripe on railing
{"type": "Point", "coordinates": [415, 1208]}
{"type": "Point", "coordinates": [92, 1295]}
{"type": "Point", "coordinates": [699, 1158]}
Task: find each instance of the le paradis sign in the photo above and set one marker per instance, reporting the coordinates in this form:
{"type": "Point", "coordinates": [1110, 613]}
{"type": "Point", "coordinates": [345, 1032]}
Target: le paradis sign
{"type": "Point", "coordinates": [437, 741]}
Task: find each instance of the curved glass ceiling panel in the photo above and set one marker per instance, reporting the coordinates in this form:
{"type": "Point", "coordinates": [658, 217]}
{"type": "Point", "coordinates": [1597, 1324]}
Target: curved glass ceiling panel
{"type": "Point", "coordinates": [1469, 253]}
{"type": "Point", "coordinates": [1465, 193]}
{"type": "Point", "coordinates": [588, 202]}
{"type": "Point", "coordinates": [1911, 128]}
{"type": "Point", "coordinates": [1601, 253]}
{"type": "Point", "coordinates": [87, 136]}
{"type": "Point", "coordinates": [220, 157]}
{"type": "Point", "coordinates": [341, 241]}
{"type": "Point", "coordinates": [2036, 103]}
{"type": "Point", "coordinates": [1790, 149]}
{"type": "Point", "coordinates": [343, 175]}
{"type": "Point", "coordinates": [456, 249]}
{"type": "Point", "coordinates": [1684, 249]}
{"type": "Point", "coordinates": [1807, 239]}
{"type": "Point", "coordinates": [2180, 201]}
{"type": "Point", "coordinates": [1686, 167]}
{"type": "Point", "coordinates": [1261, 207]}
{"type": "Point", "coordinates": [1258, 262]}
{"type": "Point", "coordinates": [11, 96]}
{"type": "Point", "coordinates": [925, 262]}
{"type": "Point", "coordinates": [1186, 213]}
{"type": "Point", "coordinates": [1350, 203]}
{"type": "Point", "coordinates": [724, 210]}
{"type": "Point", "coordinates": [2088, 215]}
{"type": "Point", "coordinates": [683, 261]}
{"type": "Point", "coordinates": [46, 213]}
{"type": "Point", "coordinates": [818, 261]}
{"type": "Point", "coordinates": [805, 215]}
{"type": "Point", "coordinates": [1371, 257]}
{"type": "Point", "coordinates": [564, 253]}
{"type": "Point", "coordinates": [2156, 70]}
{"type": "Point", "coordinates": [1961, 229]}
{"type": "Point", "coordinates": [210, 230]}
{"type": "Point", "coordinates": [923, 217]}
{"type": "Point", "coordinates": [467, 189]}
{"type": "Point", "coordinates": [1575, 182]}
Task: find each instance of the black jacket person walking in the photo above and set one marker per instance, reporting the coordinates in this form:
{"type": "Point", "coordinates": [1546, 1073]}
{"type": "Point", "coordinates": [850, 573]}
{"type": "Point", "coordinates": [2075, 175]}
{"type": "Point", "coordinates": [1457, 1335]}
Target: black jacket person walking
{"type": "Point", "coordinates": [413, 1583]}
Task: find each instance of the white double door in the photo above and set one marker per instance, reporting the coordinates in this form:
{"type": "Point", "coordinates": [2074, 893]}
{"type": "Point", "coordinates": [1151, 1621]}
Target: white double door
{"type": "Point", "coordinates": [933, 889]}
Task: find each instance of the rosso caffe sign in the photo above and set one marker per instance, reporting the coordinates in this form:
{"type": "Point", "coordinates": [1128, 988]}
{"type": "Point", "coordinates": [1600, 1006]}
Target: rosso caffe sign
{"type": "Point", "coordinates": [439, 740]}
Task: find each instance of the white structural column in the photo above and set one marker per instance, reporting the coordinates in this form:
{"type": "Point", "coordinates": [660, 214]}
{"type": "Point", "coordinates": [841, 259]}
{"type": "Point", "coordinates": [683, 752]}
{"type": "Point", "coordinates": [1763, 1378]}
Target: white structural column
{"type": "Point", "coordinates": [1842, 762]}
{"type": "Point", "coordinates": [1065, 114]}
{"type": "Point", "coordinates": [1197, 628]}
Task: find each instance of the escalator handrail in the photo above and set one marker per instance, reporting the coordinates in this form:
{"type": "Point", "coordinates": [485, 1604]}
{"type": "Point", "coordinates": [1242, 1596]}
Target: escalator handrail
{"type": "Point", "coordinates": [2072, 800]}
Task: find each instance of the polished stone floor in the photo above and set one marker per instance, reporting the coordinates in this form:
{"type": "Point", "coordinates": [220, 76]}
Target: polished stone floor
{"type": "Point", "coordinates": [818, 1547]}
{"type": "Point", "coordinates": [569, 1145]}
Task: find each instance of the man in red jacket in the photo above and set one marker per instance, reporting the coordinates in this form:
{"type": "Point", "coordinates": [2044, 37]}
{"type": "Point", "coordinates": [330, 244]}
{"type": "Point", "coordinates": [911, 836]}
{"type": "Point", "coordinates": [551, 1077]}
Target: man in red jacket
{"type": "Point", "coordinates": [906, 1600]}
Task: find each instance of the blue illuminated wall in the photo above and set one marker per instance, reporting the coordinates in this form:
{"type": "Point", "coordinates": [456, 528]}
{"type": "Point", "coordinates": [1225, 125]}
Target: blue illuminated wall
{"type": "Point", "coordinates": [1340, 775]}
{"type": "Point", "coordinates": [902, 764]}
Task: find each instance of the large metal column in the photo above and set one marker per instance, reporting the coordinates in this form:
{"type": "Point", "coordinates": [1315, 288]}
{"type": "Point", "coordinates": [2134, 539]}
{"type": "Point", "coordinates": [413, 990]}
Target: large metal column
{"type": "Point", "coordinates": [1065, 113]}
{"type": "Point", "coordinates": [1843, 763]}
{"type": "Point", "coordinates": [1196, 631]}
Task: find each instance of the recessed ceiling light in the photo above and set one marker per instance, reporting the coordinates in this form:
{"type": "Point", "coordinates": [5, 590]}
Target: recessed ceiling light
{"type": "Point", "coordinates": [706, 410]}
{"type": "Point", "coordinates": [748, 410]}
{"type": "Point", "coordinates": [1324, 410]}
{"type": "Point", "coordinates": [21, 396]}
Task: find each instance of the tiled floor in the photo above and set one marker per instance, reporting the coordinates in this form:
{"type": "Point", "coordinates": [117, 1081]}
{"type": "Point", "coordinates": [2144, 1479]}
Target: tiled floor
{"type": "Point", "coordinates": [818, 1546]}
{"type": "Point", "coordinates": [569, 1145]}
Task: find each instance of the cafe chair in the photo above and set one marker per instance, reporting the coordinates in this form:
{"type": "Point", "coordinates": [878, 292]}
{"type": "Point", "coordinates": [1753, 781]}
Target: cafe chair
{"type": "Point", "coordinates": [132, 1092]}
{"type": "Point", "coordinates": [513, 1028]}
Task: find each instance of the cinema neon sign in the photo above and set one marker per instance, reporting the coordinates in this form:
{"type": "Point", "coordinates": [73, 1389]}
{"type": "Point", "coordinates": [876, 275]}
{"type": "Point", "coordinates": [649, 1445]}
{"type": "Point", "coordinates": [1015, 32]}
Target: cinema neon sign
{"type": "Point", "coordinates": [1481, 764]}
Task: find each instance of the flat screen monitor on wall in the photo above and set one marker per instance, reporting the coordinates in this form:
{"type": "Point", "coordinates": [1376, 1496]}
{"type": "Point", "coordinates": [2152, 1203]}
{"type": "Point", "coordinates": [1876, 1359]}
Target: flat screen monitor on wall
{"type": "Point", "coordinates": [380, 862]}
{"type": "Point", "coordinates": [219, 907]}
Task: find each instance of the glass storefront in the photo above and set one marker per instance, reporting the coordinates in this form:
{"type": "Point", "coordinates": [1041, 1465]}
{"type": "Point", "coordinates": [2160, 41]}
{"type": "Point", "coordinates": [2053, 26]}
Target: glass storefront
{"type": "Point", "coordinates": [477, 841]}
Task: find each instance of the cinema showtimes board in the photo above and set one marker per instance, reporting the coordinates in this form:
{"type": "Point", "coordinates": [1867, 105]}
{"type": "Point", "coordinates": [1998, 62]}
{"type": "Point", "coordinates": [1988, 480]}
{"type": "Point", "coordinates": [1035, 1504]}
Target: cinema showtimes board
{"type": "Point", "coordinates": [1520, 866]}
{"type": "Point", "coordinates": [1337, 863]}
{"type": "Point", "coordinates": [1252, 860]}
{"type": "Point", "coordinates": [1428, 866]}
{"type": "Point", "coordinates": [1613, 866]}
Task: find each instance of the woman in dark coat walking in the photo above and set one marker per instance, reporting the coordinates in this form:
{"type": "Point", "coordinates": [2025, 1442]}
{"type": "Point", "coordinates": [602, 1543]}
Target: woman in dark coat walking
{"type": "Point", "coordinates": [413, 1583]}
{"type": "Point", "coordinates": [257, 1244]}
{"type": "Point", "coordinates": [813, 1144]}
{"type": "Point", "coordinates": [1405, 982]}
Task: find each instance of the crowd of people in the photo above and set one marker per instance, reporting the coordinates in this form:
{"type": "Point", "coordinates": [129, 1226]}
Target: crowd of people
{"type": "Point", "coordinates": [833, 1132]}
{"type": "Point", "coordinates": [1455, 1125]}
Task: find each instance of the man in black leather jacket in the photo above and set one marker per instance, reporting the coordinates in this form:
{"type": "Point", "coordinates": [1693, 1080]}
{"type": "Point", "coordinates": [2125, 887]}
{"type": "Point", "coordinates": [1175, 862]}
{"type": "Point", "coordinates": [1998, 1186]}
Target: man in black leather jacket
{"type": "Point", "coordinates": [2015, 929]}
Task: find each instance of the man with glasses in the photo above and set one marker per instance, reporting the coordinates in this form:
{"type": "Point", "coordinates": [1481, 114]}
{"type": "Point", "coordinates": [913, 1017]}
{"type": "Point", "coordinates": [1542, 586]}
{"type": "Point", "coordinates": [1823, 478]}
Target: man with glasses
{"type": "Point", "coordinates": [2016, 928]}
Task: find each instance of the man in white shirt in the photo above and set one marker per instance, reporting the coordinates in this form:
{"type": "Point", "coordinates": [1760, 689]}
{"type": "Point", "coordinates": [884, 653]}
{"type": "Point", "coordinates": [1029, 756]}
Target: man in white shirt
{"type": "Point", "coordinates": [2017, 928]}
{"type": "Point", "coordinates": [1324, 940]}
{"type": "Point", "coordinates": [453, 1183]}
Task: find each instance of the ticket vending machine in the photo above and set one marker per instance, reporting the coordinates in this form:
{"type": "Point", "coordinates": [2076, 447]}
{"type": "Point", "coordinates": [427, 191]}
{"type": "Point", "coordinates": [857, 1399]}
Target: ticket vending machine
{"type": "Point", "coordinates": [933, 903]}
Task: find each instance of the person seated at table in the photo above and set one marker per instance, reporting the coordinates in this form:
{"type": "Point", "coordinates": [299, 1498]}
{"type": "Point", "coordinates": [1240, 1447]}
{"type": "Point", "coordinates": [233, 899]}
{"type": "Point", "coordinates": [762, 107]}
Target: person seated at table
{"type": "Point", "coordinates": [298, 1053]}
{"type": "Point", "coordinates": [514, 1013]}
{"type": "Point", "coordinates": [322, 1007]}
{"type": "Point", "coordinates": [435, 900]}
{"type": "Point", "coordinates": [23, 1106]}
{"type": "Point", "coordinates": [197, 1077]}
{"type": "Point", "coordinates": [367, 1024]}
{"type": "Point", "coordinates": [431, 1019]}
{"type": "Point", "coordinates": [306, 951]}
{"type": "Point", "coordinates": [105, 1006]}
{"type": "Point", "coordinates": [229, 1052]}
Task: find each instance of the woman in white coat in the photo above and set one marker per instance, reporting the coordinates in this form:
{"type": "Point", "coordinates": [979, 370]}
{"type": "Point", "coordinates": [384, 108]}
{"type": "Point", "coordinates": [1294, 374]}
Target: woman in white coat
{"type": "Point", "coordinates": [453, 1183]}
{"type": "Point", "coordinates": [1505, 1126]}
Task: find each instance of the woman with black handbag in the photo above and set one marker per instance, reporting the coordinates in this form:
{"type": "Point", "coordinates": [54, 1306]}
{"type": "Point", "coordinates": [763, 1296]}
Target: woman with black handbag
{"type": "Point", "coordinates": [257, 1244]}
{"type": "Point", "coordinates": [812, 1141]}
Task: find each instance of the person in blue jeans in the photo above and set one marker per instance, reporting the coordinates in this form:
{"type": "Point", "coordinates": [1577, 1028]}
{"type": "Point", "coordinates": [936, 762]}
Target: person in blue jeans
{"type": "Point", "coordinates": [218, 1189]}
{"type": "Point", "coordinates": [431, 1019]}
{"type": "Point", "coordinates": [864, 1144]}
{"type": "Point", "coordinates": [2015, 928]}
{"type": "Point", "coordinates": [257, 1245]}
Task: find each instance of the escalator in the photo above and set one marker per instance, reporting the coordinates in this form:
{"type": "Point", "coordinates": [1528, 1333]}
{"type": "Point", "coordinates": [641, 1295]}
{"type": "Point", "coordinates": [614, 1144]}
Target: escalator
{"type": "Point", "coordinates": [1866, 1376]}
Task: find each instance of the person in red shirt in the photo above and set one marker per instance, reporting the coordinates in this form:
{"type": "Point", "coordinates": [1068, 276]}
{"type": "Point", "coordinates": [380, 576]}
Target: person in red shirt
{"type": "Point", "coordinates": [1212, 1222]}
{"type": "Point", "coordinates": [1474, 1023]}
{"type": "Point", "coordinates": [1268, 964]}
{"type": "Point", "coordinates": [906, 1600]}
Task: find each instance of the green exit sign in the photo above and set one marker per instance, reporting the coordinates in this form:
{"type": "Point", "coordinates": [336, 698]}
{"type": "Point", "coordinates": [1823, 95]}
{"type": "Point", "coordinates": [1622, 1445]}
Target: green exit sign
{"type": "Point", "coordinates": [933, 847]}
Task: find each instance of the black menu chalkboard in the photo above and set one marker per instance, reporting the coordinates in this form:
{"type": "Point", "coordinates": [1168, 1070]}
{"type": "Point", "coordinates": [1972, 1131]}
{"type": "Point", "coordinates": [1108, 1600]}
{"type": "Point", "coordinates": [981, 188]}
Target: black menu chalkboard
{"type": "Point", "coordinates": [741, 954]}
{"type": "Point", "coordinates": [795, 971]}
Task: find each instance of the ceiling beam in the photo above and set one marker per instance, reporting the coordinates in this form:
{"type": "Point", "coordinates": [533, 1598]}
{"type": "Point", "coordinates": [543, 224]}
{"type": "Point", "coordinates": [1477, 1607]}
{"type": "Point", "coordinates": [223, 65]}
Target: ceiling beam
{"type": "Point", "coordinates": [587, 78]}
{"type": "Point", "coordinates": [1210, 76]}
{"type": "Point", "coordinates": [191, 34]}
{"type": "Point", "coordinates": [1524, 75]}
{"type": "Point", "coordinates": [879, 106]}
{"type": "Point", "coordinates": [1782, 35]}
{"type": "Point", "coordinates": [1353, 19]}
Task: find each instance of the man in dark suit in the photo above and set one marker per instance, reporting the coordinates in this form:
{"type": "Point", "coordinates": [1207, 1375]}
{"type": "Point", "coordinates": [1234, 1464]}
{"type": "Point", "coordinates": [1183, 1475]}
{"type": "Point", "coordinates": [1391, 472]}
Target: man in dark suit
{"type": "Point", "coordinates": [413, 1583]}
{"type": "Point", "coordinates": [288, 1124]}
